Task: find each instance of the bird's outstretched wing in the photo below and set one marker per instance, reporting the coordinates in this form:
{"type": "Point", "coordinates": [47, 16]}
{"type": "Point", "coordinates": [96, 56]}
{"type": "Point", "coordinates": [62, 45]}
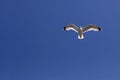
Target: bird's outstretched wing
{"type": "Point", "coordinates": [71, 27]}
{"type": "Point", "coordinates": [90, 27]}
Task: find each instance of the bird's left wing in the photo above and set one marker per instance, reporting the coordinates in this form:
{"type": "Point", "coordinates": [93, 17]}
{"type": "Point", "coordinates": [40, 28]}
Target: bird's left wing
{"type": "Point", "coordinates": [71, 27]}
{"type": "Point", "coordinates": [90, 27]}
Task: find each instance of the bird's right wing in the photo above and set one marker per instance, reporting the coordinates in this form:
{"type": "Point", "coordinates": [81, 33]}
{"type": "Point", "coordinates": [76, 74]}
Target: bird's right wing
{"type": "Point", "coordinates": [71, 27]}
{"type": "Point", "coordinates": [91, 27]}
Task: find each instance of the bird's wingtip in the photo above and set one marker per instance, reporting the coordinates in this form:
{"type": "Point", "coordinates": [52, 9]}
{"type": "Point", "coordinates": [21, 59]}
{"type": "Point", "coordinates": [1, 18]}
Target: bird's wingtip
{"type": "Point", "coordinates": [99, 29]}
{"type": "Point", "coordinates": [64, 28]}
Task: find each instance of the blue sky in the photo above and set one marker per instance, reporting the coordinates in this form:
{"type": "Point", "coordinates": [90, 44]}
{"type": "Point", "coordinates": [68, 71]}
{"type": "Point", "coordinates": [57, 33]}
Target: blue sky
{"type": "Point", "coordinates": [34, 46]}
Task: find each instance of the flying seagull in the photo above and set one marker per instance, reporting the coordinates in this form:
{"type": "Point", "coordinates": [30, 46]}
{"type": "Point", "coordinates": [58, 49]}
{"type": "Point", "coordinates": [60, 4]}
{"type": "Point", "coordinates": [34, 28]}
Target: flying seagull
{"type": "Point", "coordinates": [80, 30]}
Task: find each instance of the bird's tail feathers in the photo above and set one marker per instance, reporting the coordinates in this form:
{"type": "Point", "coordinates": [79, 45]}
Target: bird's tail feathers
{"type": "Point", "coordinates": [80, 37]}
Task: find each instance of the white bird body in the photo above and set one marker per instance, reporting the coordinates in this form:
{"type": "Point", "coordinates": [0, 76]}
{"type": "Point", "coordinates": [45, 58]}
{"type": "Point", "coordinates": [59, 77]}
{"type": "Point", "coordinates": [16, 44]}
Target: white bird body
{"type": "Point", "coordinates": [80, 33]}
{"type": "Point", "coordinates": [80, 30]}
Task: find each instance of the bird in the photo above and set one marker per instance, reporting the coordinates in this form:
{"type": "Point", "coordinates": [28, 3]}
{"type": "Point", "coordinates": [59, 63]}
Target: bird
{"type": "Point", "coordinates": [80, 30]}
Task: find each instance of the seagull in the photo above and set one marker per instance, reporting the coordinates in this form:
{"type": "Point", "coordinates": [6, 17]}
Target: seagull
{"type": "Point", "coordinates": [80, 30]}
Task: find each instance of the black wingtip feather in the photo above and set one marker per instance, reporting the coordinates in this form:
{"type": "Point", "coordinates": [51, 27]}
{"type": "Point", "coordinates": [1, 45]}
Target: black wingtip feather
{"type": "Point", "coordinates": [99, 29]}
{"type": "Point", "coordinates": [64, 28]}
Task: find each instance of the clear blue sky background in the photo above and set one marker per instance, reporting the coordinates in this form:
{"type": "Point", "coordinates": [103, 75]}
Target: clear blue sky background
{"type": "Point", "coordinates": [34, 46]}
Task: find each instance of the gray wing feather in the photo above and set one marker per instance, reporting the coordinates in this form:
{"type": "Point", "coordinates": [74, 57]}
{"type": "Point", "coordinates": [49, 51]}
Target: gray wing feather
{"type": "Point", "coordinates": [71, 27]}
{"type": "Point", "coordinates": [91, 27]}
